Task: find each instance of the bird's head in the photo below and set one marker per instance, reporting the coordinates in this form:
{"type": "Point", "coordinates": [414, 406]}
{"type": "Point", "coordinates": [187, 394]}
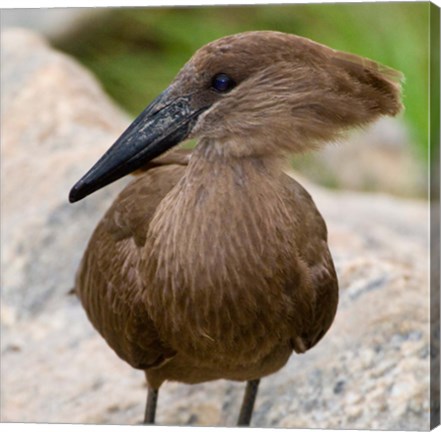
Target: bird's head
{"type": "Point", "coordinates": [253, 94]}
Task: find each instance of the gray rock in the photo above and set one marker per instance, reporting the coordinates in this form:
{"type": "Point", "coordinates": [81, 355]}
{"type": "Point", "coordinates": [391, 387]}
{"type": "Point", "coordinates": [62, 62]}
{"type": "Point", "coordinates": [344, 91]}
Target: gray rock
{"type": "Point", "coordinates": [56, 121]}
{"type": "Point", "coordinates": [51, 22]}
{"type": "Point", "coordinates": [371, 371]}
{"type": "Point", "coordinates": [373, 159]}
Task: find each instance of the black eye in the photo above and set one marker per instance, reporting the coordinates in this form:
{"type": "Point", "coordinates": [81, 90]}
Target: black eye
{"type": "Point", "coordinates": [222, 83]}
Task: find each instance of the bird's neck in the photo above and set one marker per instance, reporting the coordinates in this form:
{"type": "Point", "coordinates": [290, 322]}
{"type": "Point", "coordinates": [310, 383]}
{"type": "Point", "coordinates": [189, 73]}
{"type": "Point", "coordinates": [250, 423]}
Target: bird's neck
{"type": "Point", "coordinates": [228, 187]}
{"type": "Point", "coordinates": [209, 162]}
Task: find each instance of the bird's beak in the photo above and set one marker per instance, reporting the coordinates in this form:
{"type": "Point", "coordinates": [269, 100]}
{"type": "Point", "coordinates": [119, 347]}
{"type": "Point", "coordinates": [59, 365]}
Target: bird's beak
{"type": "Point", "coordinates": [167, 121]}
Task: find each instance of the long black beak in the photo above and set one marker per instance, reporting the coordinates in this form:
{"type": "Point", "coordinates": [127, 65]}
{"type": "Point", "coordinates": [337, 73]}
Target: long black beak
{"type": "Point", "coordinates": [167, 121]}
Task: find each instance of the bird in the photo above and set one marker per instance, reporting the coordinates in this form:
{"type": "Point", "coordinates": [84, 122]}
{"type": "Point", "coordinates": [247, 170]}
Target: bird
{"type": "Point", "coordinates": [214, 263]}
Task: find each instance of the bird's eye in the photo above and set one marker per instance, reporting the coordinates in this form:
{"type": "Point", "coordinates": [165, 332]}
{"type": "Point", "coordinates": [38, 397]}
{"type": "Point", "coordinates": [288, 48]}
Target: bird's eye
{"type": "Point", "coordinates": [222, 83]}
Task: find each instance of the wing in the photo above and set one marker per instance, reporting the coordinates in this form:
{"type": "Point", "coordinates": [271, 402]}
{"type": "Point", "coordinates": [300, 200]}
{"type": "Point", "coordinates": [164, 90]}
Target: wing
{"type": "Point", "coordinates": [108, 281]}
{"type": "Point", "coordinates": [321, 283]}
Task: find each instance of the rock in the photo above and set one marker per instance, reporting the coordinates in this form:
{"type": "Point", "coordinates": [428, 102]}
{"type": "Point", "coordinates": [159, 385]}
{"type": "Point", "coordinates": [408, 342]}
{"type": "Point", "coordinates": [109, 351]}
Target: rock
{"type": "Point", "coordinates": [52, 22]}
{"type": "Point", "coordinates": [370, 160]}
{"type": "Point", "coordinates": [371, 371]}
{"type": "Point", "coordinates": [56, 121]}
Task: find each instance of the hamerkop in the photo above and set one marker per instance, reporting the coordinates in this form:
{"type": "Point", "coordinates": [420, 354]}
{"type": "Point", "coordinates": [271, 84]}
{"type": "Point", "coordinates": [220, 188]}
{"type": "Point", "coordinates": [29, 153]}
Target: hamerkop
{"type": "Point", "coordinates": [215, 264]}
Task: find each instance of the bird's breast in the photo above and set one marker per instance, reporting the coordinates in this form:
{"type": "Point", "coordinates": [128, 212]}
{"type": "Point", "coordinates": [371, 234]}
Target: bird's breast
{"type": "Point", "coordinates": [217, 260]}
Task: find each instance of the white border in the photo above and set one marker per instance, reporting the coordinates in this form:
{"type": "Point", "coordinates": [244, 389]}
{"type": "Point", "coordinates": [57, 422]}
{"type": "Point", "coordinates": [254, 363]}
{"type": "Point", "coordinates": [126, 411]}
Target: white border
{"type": "Point", "coordinates": [28, 427]}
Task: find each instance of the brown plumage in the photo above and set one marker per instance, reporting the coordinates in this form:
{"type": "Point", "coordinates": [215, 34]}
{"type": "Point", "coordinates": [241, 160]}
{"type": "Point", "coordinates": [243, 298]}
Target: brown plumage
{"type": "Point", "coordinates": [216, 265]}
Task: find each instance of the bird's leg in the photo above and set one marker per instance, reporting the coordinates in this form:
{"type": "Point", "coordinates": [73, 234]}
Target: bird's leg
{"type": "Point", "coordinates": [150, 408]}
{"type": "Point", "coordinates": [249, 398]}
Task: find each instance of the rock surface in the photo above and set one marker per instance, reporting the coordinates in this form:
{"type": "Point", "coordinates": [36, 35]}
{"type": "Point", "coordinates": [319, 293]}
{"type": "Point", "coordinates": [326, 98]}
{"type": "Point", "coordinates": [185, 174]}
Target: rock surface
{"type": "Point", "coordinates": [371, 160]}
{"type": "Point", "coordinates": [51, 22]}
{"type": "Point", "coordinates": [371, 371]}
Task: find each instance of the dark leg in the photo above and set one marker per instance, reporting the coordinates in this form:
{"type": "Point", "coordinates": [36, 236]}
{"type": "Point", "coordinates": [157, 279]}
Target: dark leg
{"type": "Point", "coordinates": [248, 403]}
{"type": "Point", "coordinates": [150, 408]}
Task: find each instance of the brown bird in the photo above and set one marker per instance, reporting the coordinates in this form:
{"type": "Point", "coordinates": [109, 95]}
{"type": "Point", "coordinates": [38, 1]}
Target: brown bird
{"type": "Point", "coordinates": [216, 264]}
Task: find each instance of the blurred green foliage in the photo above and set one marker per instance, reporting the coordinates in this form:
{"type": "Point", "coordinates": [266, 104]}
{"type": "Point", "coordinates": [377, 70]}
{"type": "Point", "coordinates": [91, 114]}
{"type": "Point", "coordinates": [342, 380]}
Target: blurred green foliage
{"type": "Point", "coordinates": [136, 52]}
